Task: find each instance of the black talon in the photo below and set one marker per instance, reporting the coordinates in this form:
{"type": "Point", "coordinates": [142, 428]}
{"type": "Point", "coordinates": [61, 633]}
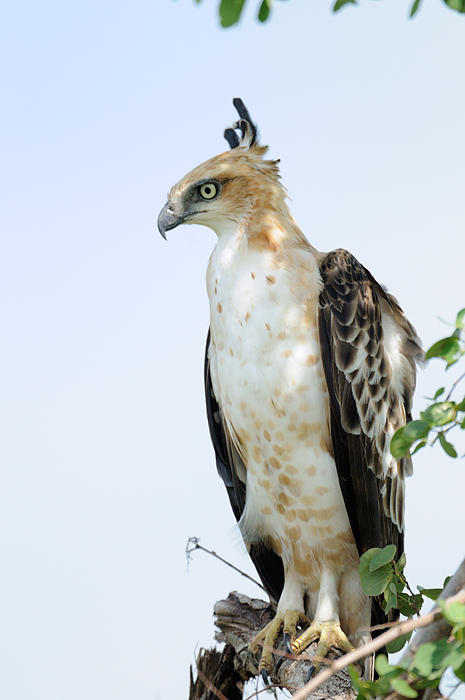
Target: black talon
{"type": "Point", "coordinates": [311, 673]}
{"type": "Point", "coordinates": [265, 676]}
{"type": "Point", "coordinates": [279, 663]}
{"type": "Point", "coordinates": [288, 642]}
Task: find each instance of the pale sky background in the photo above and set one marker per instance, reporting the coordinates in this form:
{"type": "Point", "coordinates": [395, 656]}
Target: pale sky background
{"type": "Point", "coordinates": [106, 463]}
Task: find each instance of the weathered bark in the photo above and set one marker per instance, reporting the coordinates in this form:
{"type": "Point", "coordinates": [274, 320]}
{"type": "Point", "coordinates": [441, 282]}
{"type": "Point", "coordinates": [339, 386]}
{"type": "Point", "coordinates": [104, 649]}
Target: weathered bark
{"type": "Point", "coordinates": [239, 618]}
{"type": "Point", "coordinates": [216, 676]}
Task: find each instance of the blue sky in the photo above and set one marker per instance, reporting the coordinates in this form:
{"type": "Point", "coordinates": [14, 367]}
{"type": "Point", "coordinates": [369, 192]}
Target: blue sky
{"type": "Point", "coordinates": [106, 463]}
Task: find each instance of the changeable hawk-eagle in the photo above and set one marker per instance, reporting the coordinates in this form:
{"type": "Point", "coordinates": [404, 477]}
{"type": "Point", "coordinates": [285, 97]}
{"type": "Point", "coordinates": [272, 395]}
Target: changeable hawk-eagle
{"type": "Point", "coordinates": [309, 370]}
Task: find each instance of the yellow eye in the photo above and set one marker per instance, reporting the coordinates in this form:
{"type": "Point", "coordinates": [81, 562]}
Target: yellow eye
{"type": "Point", "coordinates": [208, 190]}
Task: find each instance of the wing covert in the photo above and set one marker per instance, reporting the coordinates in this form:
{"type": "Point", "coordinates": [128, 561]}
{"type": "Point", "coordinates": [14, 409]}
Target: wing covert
{"type": "Point", "coordinates": [369, 350]}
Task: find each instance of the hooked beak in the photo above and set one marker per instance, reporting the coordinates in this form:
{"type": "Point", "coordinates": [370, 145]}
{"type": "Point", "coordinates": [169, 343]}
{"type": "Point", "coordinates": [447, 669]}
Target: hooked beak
{"type": "Point", "coordinates": [167, 219]}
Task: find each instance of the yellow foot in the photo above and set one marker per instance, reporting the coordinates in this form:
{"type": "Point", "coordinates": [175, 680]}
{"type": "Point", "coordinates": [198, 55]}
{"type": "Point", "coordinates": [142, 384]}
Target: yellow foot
{"type": "Point", "coordinates": [267, 638]}
{"type": "Point", "coordinates": [330, 635]}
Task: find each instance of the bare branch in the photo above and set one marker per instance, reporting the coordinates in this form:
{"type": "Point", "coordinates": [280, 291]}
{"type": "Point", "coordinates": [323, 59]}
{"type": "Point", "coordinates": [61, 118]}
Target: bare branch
{"type": "Point", "coordinates": [240, 618]}
{"type": "Point", "coordinates": [193, 543]}
{"type": "Point", "coordinates": [454, 385]}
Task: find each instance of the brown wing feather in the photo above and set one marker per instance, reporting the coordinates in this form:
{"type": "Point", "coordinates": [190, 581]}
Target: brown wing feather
{"type": "Point", "coordinates": [369, 351]}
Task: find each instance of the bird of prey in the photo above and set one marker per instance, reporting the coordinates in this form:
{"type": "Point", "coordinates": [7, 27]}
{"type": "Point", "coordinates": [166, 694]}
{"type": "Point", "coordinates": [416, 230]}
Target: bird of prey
{"type": "Point", "coordinates": [309, 370]}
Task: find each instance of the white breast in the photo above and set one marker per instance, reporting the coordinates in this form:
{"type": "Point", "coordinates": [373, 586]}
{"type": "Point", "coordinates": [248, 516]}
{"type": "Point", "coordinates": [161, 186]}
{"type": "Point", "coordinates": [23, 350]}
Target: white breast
{"type": "Point", "coordinates": [268, 378]}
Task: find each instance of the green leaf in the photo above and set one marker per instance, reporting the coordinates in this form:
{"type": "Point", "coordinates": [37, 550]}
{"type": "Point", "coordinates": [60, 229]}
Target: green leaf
{"type": "Point", "coordinates": [461, 406]}
{"type": "Point", "coordinates": [454, 613]}
{"type": "Point", "coordinates": [402, 562]}
{"type": "Point", "coordinates": [414, 8]}
{"type": "Point", "coordinates": [409, 604]}
{"type": "Point", "coordinates": [397, 644]}
{"type": "Point", "coordinates": [264, 10]}
{"type": "Point", "coordinates": [447, 446]}
{"type": "Point", "coordinates": [381, 664]}
{"type": "Point", "coordinates": [460, 320]}
{"type": "Point", "coordinates": [383, 667]}
{"type": "Point", "coordinates": [432, 658]}
{"type": "Point", "coordinates": [431, 593]}
{"type": "Point", "coordinates": [403, 438]}
{"type": "Point", "coordinates": [440, 413]}
{"type": "Point", "coordinates": [354, 677]}
{"type": "Point", "coordinates": [403, 688]}
{"type": "Point", "coordinates": [340, 3]}
{"type": "Point", "coordinates": [384, 556]}
{"type": "Point", "coordinates": [391, 602]}
{"type": "Point", "coordinates": [373, 582]}
{"type": "Point", "coordinates": [419, 446]}
{"type": "Point", "coordinates": [416, 429]}
{"type": "Point", "coordinates": [460, 672]}
{"type": "Point", "coordinates": [400, 443]}
{"type": "Point", "coordinates": [230, 12]}
{"type": "Point", "coordinates": [439, 393]}
{"type": "Point", "coordinates": [458, 5]}
{"type": "Point", "coordinates": [423, 660]}
{"type": "Point", "coordinates": [446, 348]}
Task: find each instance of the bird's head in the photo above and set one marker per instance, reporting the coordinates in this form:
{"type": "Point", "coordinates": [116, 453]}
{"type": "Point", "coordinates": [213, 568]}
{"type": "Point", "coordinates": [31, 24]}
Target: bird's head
{"type": "Point", "coordinates": [223, 192]}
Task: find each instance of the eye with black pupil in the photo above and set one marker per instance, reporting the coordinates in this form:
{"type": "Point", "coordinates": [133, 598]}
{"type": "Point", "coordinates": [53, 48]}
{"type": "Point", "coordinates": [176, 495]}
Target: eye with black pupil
{"type": "Point", "coordinates": [208, 191]}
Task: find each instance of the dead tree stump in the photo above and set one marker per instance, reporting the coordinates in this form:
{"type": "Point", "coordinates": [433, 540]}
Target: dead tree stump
{"type": "Point", "coordinates": [222, 674]}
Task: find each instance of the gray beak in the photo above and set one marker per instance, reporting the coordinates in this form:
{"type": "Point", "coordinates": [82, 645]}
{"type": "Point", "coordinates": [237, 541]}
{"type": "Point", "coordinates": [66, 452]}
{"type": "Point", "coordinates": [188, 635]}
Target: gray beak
{"type": "Point", "coordinates": [167, 219]}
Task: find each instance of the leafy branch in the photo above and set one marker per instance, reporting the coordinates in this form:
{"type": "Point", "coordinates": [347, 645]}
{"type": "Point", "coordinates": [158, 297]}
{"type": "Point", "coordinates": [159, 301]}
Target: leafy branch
{"type": "Point", "coordinates": [230, 11]}
{"type": "Point", "coordinates": [440, 417]}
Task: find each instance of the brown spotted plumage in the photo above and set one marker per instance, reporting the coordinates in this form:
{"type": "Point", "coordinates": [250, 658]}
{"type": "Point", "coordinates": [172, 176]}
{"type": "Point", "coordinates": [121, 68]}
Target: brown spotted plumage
{"type": "Point", "coordinates": [309, 370]}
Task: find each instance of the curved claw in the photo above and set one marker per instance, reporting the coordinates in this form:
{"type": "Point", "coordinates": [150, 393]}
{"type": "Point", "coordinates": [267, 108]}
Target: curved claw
{"type": "Point", "coordinates": [279, 663]}
{"type": "Point", "coordinates": [265, 676]}
{"type": "Point", "coordinates": [288, 642]}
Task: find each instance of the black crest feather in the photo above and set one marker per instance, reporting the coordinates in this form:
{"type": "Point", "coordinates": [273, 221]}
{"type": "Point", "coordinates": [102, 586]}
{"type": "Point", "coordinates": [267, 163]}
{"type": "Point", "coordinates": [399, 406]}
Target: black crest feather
{"type": "Point", "coordinates": [247, 128]}
{"type": "Point", "coordinates": [231, 137]}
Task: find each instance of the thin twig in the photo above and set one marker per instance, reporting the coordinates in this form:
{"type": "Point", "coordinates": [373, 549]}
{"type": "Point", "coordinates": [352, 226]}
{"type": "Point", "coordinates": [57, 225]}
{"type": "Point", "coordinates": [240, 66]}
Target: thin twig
{"type": "Point", "coordinates": [462, 376]}
{"type": "Point", "coordinates": [404, 581]}
{"type": "Point", "coordinates": [367, 649]}
{"type": "Point", "coordinates": [194, 541]}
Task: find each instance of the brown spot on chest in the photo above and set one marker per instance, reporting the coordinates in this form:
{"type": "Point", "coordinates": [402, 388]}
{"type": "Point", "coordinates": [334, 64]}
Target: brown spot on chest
{"type": "Point", "coordinates": [285, 499]}
{"type": "Point", "coordinates": [219, 307]}
{"type": "Point", "coordinates": [290, 469]}
{"type": "Point", "coordinates": [275, 463]}
{"type": "Point", "coordinates": [306, 429]}
{"type": "Point", "coordinates": [294, 533]}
